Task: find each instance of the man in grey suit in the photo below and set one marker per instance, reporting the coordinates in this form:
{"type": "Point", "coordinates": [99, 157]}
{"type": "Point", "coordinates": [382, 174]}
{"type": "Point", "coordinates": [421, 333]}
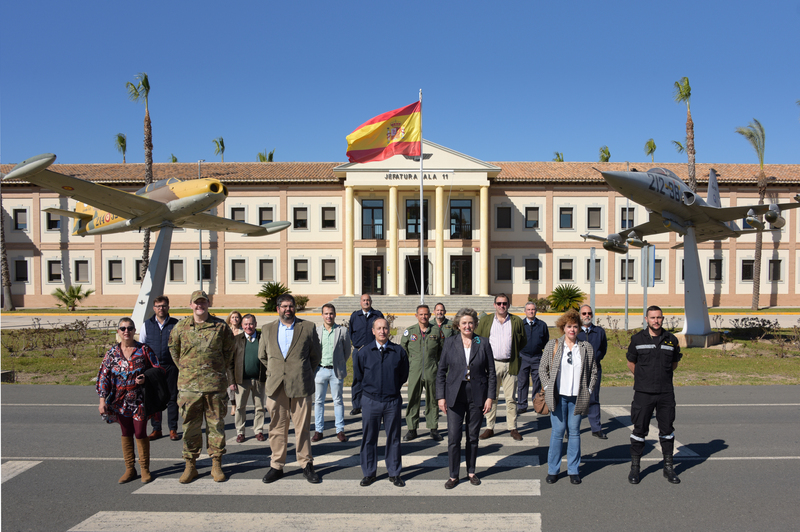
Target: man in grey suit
{"type": "Point", "coordinates": [332, 370]}
{"type": "Point", "coordinates": [290, 350]}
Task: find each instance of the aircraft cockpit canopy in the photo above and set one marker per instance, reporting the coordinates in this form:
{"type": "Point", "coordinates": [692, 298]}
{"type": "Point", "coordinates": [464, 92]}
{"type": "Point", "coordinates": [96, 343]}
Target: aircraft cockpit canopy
{"type": "Point", "coordinates": [663, 171]}
{"type": "Point", "coordinates": [158, 184]}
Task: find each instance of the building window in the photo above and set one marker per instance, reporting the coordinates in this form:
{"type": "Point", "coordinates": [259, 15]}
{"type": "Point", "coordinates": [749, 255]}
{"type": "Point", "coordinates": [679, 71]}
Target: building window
{"type": "Point", "coordinates": [301, 270]}
{"type": "Point", "coordinates": [657, 270]}
{"type": "Point", "coordinates": [594, 219]}
{"type": "Point", "coordinates": [372, 219]}
{"type": "Point", "coordinates": [565, 270]}
{"type": "Point", "coordinates": [115, 271]}
{"type": "Point", "coordinates": [176, 271]}
{"type": "Point", "coordinates": [532, 269]}
{"type": "Point", "coordinates": [565, 218]}
{"type": "Point", "coordinates": [503, 218]}
{"type": "Point", "coordinates": [238, 214]}
{"type": "Point", "coordinates": [81, 271]}
{"type": "Point", "coordinates": [265, 215]}
{"type": "Point", "coordinates": [52, 221]}
{"type": "Point", "coordinates": [683, 270]}
{"type": "Point", "coordinates": [412, 219]}
{"type": "Point", "coordinates": [300, 218]}
{"type": "Point", "coordinates": [329, 217]}
{"type": "Point", "coordinates": [21, 271]}
{"type": "Point", "coordinates": [20, 219]}
{"type": "Point", "coordinates": [626, 217]}
{"type": "Point", "coordinates": [748, 269]}
{"type": "Point", "coordinates": [328, 270]}
{"type": "Point", "coordinates": [504, 269]}
{"type": "Point", "coordinates": [774, 270]}
{"type": "Point", "coordinates": [206, 269]}
{"type": "Point", "coordinates": [531, 217]}
{"type": "Point", "coordinates": [627, 269]}
{"type": "Point", "coordinates": [266, 272]}
{"type": "Point", "coordinates": [238, 271]}
{"type": "Point", "coordinates": [598, 276]}
{"type": "Point", "coordinates": [137, 270]}
{"type": "Point", "coordinates": [715, 270]}
{"type": "Point", "coordinates": [53, 271]}
{"type": "Point", "coordinates": [461, 219]}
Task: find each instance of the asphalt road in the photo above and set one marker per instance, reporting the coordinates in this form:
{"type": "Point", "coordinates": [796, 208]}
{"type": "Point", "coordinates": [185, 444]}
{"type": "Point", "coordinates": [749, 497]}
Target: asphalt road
{"type": "Point", "coordinates": [738, 459]}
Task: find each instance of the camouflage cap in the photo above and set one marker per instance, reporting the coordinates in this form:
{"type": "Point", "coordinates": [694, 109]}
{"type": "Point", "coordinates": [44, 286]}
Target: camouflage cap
{"type": "Point", "coordinates": [198, 294]}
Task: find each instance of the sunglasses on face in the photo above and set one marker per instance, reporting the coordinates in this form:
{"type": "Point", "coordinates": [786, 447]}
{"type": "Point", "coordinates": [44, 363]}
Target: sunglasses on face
{"type": "Point", "coordinates": [586, 313]}
{"type": "Point", "coordinates": [502, 304]}
{"type": "Point", "coordinates": [128, 329]}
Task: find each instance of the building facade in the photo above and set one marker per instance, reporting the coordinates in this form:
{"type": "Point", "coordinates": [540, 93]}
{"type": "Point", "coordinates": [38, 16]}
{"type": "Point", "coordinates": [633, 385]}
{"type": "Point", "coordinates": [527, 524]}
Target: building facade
{"type": "Point", "coordinates": [511, 227]}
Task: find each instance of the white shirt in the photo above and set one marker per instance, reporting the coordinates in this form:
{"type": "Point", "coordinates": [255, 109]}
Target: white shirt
{"type": "Point", "coordinates": [569, 375]}
{"type": "Point", "coordinates": [143, 334]}
{"type": "Point", "coordinates": [285, 336]}
{"type": "Point", "coordinates": [500, 338]}
{"type": "Point", "coordinates": [466, 356]}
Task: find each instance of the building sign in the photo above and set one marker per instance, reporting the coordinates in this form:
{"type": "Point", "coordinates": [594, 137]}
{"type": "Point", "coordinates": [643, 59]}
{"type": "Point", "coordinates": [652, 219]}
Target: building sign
{"type": "Point", "coordinates": [402, 176]}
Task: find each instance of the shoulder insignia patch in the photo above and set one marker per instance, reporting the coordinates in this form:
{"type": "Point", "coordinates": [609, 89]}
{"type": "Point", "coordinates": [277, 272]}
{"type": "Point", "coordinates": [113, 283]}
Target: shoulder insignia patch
{"type": "Point", "coordinates": [413, 337]}
{"type": "Point", "coordinates": [405, 333]}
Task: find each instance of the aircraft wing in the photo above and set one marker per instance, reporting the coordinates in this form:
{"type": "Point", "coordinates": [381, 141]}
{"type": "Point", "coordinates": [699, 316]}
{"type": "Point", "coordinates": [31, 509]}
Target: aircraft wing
{"type": "Point", "coordinates": [70, 214]}
{"type": "Point", "coordinates": [652, 227]}
{"type": "Point", "coordinates": [730, 214]}
{"type": "Point", "coordinates": [209, 222]}
{"type": "Point", "coordinates": [123, 204]}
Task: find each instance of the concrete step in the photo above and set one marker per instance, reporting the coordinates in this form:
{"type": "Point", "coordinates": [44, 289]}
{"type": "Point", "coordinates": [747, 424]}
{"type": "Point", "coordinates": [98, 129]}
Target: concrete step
{"type": "Point", "coordinates": [408, 304]}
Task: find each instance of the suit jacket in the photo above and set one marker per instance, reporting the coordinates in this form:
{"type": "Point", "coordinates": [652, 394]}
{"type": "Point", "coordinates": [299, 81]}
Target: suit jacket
{"type": "Point", "coordinates": [548, 373]}
{"type": "Point", "coordinates": [518, 337]}
{"type": "Point", "coordinates": [341, 349]}
{"type": "Point", "coordinates": [453, 366]}
{"type": "Point", "coordinates": [596, 337]}
{"type": "Point", "coordinates": [239, 343]}
{"type": "Point", "coordinates": [296, 372]}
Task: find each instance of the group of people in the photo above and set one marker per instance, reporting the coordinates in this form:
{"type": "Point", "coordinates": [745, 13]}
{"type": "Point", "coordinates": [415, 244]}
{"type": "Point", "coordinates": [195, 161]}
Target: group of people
{"type": "Point", "coordinates": [459, 364]}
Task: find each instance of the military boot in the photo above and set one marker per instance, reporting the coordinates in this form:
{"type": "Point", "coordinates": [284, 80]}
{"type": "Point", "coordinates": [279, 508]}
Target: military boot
{"type": "Point", "coordinates": [130, 460]}
{"type": "Point", "coordinates": [190, 473]}
{"type": "Point", "coordinates": [216, 469]}
{"type": "Point", "coordinates": [633, 476]}
{"type": "Point", "coordinates": [669, 470]}
{"type": "Point", "coordinates": [144, 458]}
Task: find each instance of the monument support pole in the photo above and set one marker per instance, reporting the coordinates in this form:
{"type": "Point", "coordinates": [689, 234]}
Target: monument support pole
{"type": "Point", "coordinates": [153, 282]}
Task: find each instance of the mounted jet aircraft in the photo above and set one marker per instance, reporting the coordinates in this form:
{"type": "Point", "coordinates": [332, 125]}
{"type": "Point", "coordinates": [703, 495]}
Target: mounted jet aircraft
{"type": "Point", "coordinates": [104, 210]}
{"type": "Point", "coordinates": [674, 207]}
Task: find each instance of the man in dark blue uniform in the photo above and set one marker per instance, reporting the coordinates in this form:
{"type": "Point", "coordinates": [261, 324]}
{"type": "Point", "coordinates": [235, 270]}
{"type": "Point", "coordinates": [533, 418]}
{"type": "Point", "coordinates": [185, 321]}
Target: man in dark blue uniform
{"type": "Point", "coordinates": [530, 356]}
{"type": "Point", "coordinates": [382, 367]}
{"type": "Point", "coordinates": [361, 322]}
{"type": "Point", "coordinates": [596, 336]}
{"type": "Point", "coordinates": [155, 334]}
{"type": "Point", "coordinates": [653, 356]}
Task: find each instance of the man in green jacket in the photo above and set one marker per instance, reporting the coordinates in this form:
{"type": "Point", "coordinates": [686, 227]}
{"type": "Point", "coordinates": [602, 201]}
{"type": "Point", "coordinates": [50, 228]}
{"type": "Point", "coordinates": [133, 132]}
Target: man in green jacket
{"type": "Point", "coordinates": [445, 325]}
{"type": "Point", "coordinates": [507, 336]}
{"type": "Point", "coordinates": [423, 343]}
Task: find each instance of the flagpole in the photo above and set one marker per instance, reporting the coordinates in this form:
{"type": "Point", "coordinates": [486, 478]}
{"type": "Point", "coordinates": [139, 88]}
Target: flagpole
{"type": "Point", "coordinates": [421, 215]}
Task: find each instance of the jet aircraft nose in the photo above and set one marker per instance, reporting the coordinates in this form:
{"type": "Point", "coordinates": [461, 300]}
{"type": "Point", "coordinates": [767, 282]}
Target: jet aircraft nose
{"type": "Point", "coordinates": [621, 181]}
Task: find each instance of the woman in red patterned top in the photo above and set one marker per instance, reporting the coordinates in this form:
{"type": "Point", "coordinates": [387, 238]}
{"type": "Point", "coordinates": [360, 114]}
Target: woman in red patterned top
{"type": "Point", "coordinates": [120, 385]}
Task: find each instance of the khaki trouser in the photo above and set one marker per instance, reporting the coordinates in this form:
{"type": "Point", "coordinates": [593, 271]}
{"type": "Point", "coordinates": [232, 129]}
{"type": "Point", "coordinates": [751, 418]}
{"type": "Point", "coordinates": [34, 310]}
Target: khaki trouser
{"type": "Point", "coordinates": [243, 392]}
{"type": "Point", "coordinates": [281, 409]}
{"type": "Point", "coordinates": [509, 383]}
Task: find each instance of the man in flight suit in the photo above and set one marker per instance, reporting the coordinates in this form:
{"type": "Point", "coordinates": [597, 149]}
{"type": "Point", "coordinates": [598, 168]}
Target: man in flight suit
{"type": "Point", "coordinates": [423, 343]}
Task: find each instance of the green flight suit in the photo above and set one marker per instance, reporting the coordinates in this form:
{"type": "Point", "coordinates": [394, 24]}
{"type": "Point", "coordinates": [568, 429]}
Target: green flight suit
{"type": "Point", "coordinates": [423, 351]}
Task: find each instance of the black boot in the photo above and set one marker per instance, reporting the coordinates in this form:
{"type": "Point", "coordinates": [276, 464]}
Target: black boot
{"type": "Point", "coordinates": [633, 476]}
{"type": "Point", "coordinates": [669, 470]}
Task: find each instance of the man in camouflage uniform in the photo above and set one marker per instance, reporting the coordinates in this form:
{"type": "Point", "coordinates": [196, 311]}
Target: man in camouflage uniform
{"type": "Point", "coordinates": [445, 325]}
{"type": "Point", "coordinates": [202, 347]}
{"type": "Point", "coordinates": [423, 342]}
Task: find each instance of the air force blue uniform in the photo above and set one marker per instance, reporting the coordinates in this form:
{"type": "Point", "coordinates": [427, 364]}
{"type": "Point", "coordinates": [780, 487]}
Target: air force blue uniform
{"type": "Point", "coordinates": [596, 336]}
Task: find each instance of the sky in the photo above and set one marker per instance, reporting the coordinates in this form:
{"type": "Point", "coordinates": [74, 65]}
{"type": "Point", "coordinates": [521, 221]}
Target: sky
{"type": "Point", "coordinates": [501, 81]}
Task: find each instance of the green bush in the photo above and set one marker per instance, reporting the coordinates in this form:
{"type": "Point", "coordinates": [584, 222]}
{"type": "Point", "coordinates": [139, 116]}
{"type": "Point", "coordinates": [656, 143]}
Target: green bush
{"type": "Point", "coordinates": [271, 292]}
{"type": "Point", "coordinates": [301, 302]}
{"type": "Point", "coordinates": [566, 296]}
{"type": "Point", "coordinates": [542, 303]}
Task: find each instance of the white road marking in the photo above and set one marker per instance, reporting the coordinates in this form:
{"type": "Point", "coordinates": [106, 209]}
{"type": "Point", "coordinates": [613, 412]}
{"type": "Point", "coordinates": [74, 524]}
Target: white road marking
{"type": "Point", "coordinates": [502, 440]}
{"type": "Point", "coordinates": [623, 415]}
{"type": "Point", "coordinates": [120, 521]}
{"type": "Point", "coordinates": [12, 468]}
{"type": "Point", "coordinates": [342, 488]}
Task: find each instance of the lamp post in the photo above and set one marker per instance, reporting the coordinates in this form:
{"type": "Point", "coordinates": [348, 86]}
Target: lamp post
{"type": "Point", "coordinates": [200, 232]}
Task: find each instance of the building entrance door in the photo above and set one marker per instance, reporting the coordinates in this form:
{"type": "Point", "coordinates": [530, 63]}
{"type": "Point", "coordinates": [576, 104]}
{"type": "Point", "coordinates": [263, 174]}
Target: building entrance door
{"type": "Point", "coordinates": [372, 275]}
{"type": "Point", "coordinates": [461, 275]}
{"type": "Point", "coordinates": [412, 276]}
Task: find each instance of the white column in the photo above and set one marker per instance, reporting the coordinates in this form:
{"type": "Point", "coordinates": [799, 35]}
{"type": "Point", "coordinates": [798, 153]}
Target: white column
{"type": "Point", "coordinates": [438, 266]}
{"type": "Point", "coordinates": [349, 230]}
{"type": "Point", "coordinates": [391, 252]}
{"type": "Point", "coordinates": [484, 201]}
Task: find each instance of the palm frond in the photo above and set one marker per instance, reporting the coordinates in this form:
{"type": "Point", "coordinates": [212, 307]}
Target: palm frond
{"type": "Point", "coordinates": [172, 158]}
{"type": "Point", "coordinates": [683, 91]}
{"type": "Point", "coordinates": [650, 149]}
{"type": "Point", "coordinates": [121, 143]}
{"type": "Point", "coordinates": [678, 146]}
{"type": "Point", "coordinates": [558, 156]}
{"type": "Point", "coordinates": [605, 154]}
{"type": "Point", "coordinates": [755, 135]}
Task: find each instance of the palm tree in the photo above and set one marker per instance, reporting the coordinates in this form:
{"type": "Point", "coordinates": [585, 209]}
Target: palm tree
{"type": "Point", "coordinates": [138, 92]}
{"type": "Point", "coordinates": [678, 146]}
{"type": "Point", "coordinates": [754, 133]}
{"type": "Point", "coordinates": [650, 149]}
{"type": "Point", "coordinates": [264, 157]}
{"type": "Point", "coordinates": [70, 297]}
{"type": "Point", "coordinates": [219, 148]}
{"type": "Point", "coordinates": [172, 158]}
{"type": "Point", "coordinates": [121, 142]}
{"type": "Point", "coordinates": [605, 154]}
{"type": "Point", "coordinates": [8, 304]}
{"type": "Point", "coordinates": [558, 156]}
{"type": "Point", "coordinates": [683, 92]}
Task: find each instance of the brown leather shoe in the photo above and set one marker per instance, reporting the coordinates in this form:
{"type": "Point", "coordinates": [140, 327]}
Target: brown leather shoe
{"type": "Point", "coordinates": [516, 435]}
{"type": "Point", "coordinates": [488, 433]}
{"type": "Point", "coordinates": [341, 436]}
{"type": "Point", "coordinates": [261, 437]}
{"type": "Point", "coordinates": [156, 434]}
{"type": "Point", "coordinates": [316, 437]}
{"type": "Point", "coordinates": [174, 436]}
{"type": "Point", "coordinates": [240, 438]}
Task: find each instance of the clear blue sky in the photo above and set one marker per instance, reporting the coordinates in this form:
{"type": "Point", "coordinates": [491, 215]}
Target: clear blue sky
{"type": "Point", "coordinates": [502, 81]}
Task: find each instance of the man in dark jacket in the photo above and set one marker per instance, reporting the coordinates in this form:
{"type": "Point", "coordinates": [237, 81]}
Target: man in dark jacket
{"type": "Point", "coordinates": [361, 322]}
{"type": "Point", "coordinates": [530, 356]}
{"type": "Point", "coordinates": [596, 336]}
{"type": "Point", "coordinates": [155, 334]}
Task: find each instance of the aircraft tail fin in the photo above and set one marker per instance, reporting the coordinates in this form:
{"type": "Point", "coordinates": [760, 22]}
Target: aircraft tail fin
{"type": "Point", "coordinates": [70, 214]}
{"type": "Point", "coordinates": [713, 198]}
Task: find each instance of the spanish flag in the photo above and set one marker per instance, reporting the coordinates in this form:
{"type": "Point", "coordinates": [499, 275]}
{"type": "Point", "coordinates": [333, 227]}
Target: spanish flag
{"type": "Point", "coordinates": [397, 132]}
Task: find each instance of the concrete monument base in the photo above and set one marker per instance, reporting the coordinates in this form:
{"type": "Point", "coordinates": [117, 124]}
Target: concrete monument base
{"type": "Point", "coordinates": [699, 340]}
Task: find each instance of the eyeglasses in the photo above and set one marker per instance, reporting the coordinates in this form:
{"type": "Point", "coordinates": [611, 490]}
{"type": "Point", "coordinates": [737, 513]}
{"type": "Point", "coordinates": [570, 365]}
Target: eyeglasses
{"type": "Point", "coordinates": [129, 329]}
{"type": "Point", "coordinates": [586, 313]}
{"type": "Point", "coordinates": [502, 304]}
{"type": "Point", "coordinates": [162, 306]}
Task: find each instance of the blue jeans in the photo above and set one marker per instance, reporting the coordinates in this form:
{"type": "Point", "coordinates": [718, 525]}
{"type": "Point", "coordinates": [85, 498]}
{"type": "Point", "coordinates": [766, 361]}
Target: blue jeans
{"type": "Point", "coordinates": [563, 418]}
{"type": "Point", "coordinates": [321, 380]}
